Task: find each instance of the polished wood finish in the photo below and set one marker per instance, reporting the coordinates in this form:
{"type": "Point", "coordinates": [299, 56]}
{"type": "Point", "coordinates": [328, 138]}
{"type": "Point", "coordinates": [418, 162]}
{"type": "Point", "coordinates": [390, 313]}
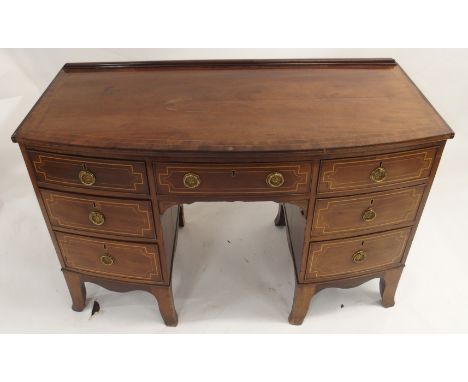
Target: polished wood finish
{"type": "Point", "coordinates": [344, 216]}
{"type": "Point", "coordinates": [302, 296]}
{"type": "Point", "coordinates": [128, 260]}
{"type": "Point", "coordinates": [166, 305]}
{"type": "Point", "coordinates": [280, 219]}
{"type": "Point", "coordinates": [353, 174]}
{"type": "Point", "coordinates": [304, 293]}
{"type": "Point", "coordinates": [181, 216]}
{"type": "Point", "coordinates": [388, 286]}
{"type": "Point", "coordinates": [119, 176]}
{"type": "Point", "coordinates": [162, 293]}
{"type": "Point", "coordinates": [233, 178]}
{"type": "Point", "coordinates": [348, 148]}
{"type": "Point", "coordinates": [233, 107]}
{"type": "Point", "coordinates": [77, 290]}
{"type": "Point", "coordinates": [332, 259]}
{"type": "Point", "coordinates": [122, 217]}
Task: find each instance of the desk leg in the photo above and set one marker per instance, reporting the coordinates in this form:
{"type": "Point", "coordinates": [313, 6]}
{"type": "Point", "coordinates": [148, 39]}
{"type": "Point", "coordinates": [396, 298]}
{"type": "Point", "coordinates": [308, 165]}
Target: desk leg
{"type": "Point", "coordinates": [181, 215]}
{"type": "Point", "coordinates": [166, 304]}
{"type": "Point", "coordinates": [388, 286]}
{"type": "Point", "coordinates": [77, 290]}
{"type": "Point", "coordinates": [302, 296]}
{"type": "Point", "coordinates": [280, 219]}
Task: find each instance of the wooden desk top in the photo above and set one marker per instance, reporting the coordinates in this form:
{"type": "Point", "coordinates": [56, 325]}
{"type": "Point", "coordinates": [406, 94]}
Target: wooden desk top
{"type": "Point", "coordinates": [236, 106]}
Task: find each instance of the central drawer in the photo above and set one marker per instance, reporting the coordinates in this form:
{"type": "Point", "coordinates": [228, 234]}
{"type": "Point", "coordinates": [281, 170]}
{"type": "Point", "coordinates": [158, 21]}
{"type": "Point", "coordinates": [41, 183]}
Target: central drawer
{"type": "Point", "coordinates": [218, 179]}
{"type": "Point", "coordinates": [132, 218]}
{"type": "Point", "coordinates": [110, 258]}
{"type": "Point", "coordinates": [353, 215]}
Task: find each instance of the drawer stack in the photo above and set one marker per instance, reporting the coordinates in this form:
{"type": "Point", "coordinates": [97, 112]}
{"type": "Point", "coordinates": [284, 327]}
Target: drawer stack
{"type": "Point", "coordinates": [364, 212]}
{"type": "Point", "coordinates": [101, 214]}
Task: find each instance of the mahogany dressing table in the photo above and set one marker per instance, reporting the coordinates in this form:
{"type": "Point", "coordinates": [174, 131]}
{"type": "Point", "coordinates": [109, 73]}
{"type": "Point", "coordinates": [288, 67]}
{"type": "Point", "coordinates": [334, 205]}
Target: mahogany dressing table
{"type": "Point", "coordinates": [347, 148]}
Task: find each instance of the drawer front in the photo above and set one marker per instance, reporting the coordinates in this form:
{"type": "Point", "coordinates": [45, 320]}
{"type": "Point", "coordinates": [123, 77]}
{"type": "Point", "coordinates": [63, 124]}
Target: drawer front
{"type": "Point", "coordinates": [335, 258]}
{"type": "Point", "coordinates": [110, 258]}
{"type": "Point", "coordinates": [88, 173]}
{"type": "Point", "coordinates": [219, 179]}
{"type": "Point", "coordinates": [377, 171]}
{"type": "Point", "coordinates": [101, 215]}
{"type": "Point", "coordinates": [352, 215]}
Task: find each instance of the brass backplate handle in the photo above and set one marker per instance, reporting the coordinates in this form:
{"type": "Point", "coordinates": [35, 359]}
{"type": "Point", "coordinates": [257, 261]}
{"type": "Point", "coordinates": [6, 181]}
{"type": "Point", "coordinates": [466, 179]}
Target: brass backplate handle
{"type": "Point", "coordinates": [359, 256]}
{"type": "Point", "coordinates": [97, 218]}
{"type": "Point", "coordinates": [369, 215]}
{"type": "Point", "coordinates": [191, 180]}
{"type": "Point", "coordinates": [107, 260]}
{"type": "Point", "coordinates": [275, 179]}
{"type": "Point", "coordinates": [378, 175]}
{"type": "Point", "coordinates": [87, 177]}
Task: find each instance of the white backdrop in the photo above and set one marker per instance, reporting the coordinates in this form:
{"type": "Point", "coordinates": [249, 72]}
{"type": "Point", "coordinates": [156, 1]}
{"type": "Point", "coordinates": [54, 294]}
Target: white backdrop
{"type": "Point", "coordinates": [241, 279]}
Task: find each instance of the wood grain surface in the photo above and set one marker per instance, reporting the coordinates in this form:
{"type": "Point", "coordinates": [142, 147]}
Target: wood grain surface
{"type": "Point", "coordinates": [131, 218]}
{"type": "Point", "coordinates": [343, 216]}
{"type": "Point", "coordinates": [246, 106]}
{"type": "Point", "coordinates": [130, 260]}
{"type": "Point", "coordinates": [331, 259]}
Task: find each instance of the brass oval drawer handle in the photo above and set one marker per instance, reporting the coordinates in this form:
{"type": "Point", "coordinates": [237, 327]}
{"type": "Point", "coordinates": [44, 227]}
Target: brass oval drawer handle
{"type": "Point", "coordinates": [359, 256]}
{"type": "Point", "coordinates": [107, 260]}
{"type": "Point", "coordinates": [369, 215]}
{"type": "Point", "coordinates": [97, 218]}
{"type": "Point", "coordinates": [191, 180]}
{"type": "Point", "coordinates": [378, 175]}
{"type": "Point", "coordinates": [87, 177]}
{"type": "Point", "coordinates": [275, 179]}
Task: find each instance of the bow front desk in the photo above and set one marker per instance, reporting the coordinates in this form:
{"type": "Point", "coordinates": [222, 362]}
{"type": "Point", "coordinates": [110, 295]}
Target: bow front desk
{"type": "Point", "coordinates": [347, 148]}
